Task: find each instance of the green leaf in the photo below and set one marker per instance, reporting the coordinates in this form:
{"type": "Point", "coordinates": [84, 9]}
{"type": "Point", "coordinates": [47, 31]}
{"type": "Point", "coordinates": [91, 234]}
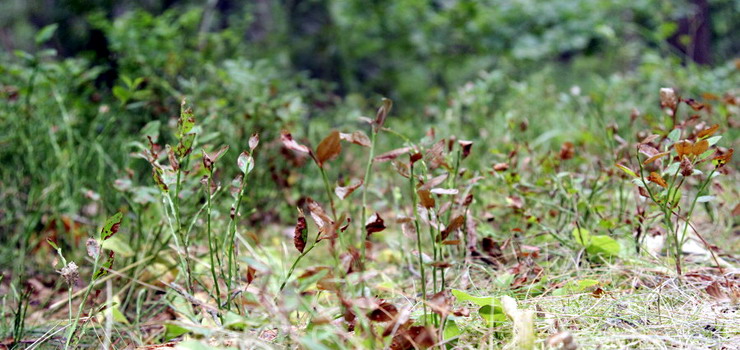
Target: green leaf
{"type": "Point", "coordinates": [494, 315]}
{"type": "Point", "coordinates": [582, 236]}
{"type": "Point", "coordinates": [103, 270]}
{"type": "Point", "coordinates": [111, 226]}
{"type": "Point", "coordinates": [675, 135]}
{"type": "Point", "coordinates": [713, 140]}
{"type": "Point", "coordinates": [626, 170]}
{"type": "Point", "coordinates": [46, 33]}
{"type": "Point", "coordinates": [585, 283]}
{"type": "Point", "coordinates": [245, 162]}
{"type": "Point", "coordinates": [119, 246]}
{"type": "Point", "coordinates": [186, 122]}
{"type": "Point", "coordinates": [451, 330]}
{"type": "Point", "coordinates": [603, 245]}
{"type": "Point", "coordinates": [173, 331]}
{"type": "Point", "coordinates": [671, 169]}
{"type": "Point", "coordinates": [185, 145]}
{"type": "Point", "coordinates": [121, 94]}
{"type": "Point", "coordinates": [480, 301]}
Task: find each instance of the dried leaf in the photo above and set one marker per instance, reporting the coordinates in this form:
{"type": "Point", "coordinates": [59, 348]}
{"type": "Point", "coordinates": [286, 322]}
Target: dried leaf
{"type": "Point", "coordinates": [655, 157]}
{"type": "Point", "coordinates": [435, 155]}
{"type": "Point", "coordinates": [383, 313]}
{"type": "Point", "coordinates": [668, 98]}
{"type": "Point", "coordinates": [357, 137]}
{"type": "Point", "coordinates": [657, 179]}
{"type": "Point", "coordinates": [445, 191]}
{"type": "Point", "coordinates": [724, 158]}
{"type": "Point", "coordinates": [393, 154]}
{"type": "Point", "coordinates": [93, 248]}
{"type": "Point", "coordinates": [426, 199]}
{"type": "Point", "coordinates": [254, 140]}
{"type": "Point", "coordinates": [695, 105]}
{"type": "Point", "coordinates": [454, 225]}
{"type": "Point", "coordinates": [466, 147]}
{"type": "Point", "coordinates": [287, 139]}
{"type": "Point", "coordinates": [382, 113]}
{"type": "Point", "coordinates": [707, 132]}
{"type": "Point", "coordinates": [300, 234]}
{"type": "Point", "coordinates": [687, 168]}
{"type": "Point", "coordinates": [567, 151]}
{"type": "Point", "coordinates": [329, 148]}
{"type": "Point", "coordinates": [343, 192]}
{"type": "Point", "coordinates": [374, 224]}
{"type": "Point", "coordinates": [322, 219]}
{"type": "Point", "coordinates": [700, 147]}
{"type": "Point", "coordinates": [647, 150]}
{"type": "Point", "coordinates": [683, 148]}
{"type": "Point", "coordinates": [501, 167]}
{"type": "Point", "coordinates": [434, 182]}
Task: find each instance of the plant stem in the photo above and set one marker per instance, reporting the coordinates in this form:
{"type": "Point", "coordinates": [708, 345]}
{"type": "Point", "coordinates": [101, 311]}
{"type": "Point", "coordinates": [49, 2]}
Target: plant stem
{"type": "Point", "coordinates": [210, 240]}
{"type": "Point", "coordinates": [76, 321]}
{"type": "Point", "coordinates": [327, 187]}
{"type": "Point", "coordinates": [412, 189]}
{"type": "Point", "coordinates": [365, 185]}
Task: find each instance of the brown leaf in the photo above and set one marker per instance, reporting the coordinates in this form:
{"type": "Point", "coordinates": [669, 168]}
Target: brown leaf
{"type": "Point", "coordinates": [434, 182]}
{"type": "Point", "coordinates": [374, 224]}
{"type": "Point", "coordinates": [329, 148]}
{"type": "Point", "coordinates": [301, 232]}
{"type": "Point", "coordinates": [254, 141]}
{"type": "Point", "coordinates": [435, 155]}
{"type": "Point", "coordinates": [383, 113]}
{"type": "Point", "coordinates": [650, 138]}
{"type": "Point", "coordinates": [383, 313]}
{"type": "Point", "coordinates": [647, 150]}
{"type": "Point", "coordinates": [343, 192]}
{"type": "Point", "coordinates": [466, 147]}
{"type": "Point", "coordinates": [444, 191]}
{"type": "Point", "coordinates": [724, 158]}
{"type": "Point", "coordinates": [501, 167]}
{"type": "Point", "coordinates": [426, 199]}
{"type": "Point", "coordinates": [707, 132]}
{"type": "Point", "coordinates": [251, 272]}
{"type": "Point", "coordinates": [683, 148]}
{"type": "Point", "coordinates": [321, 218]}
{"type": "Point", "coordinates": [687, 168]}
{"type": "Point", "coordinates": [700, 147]}
{"type": "Point", "coordinates": [695, 105]}
{"type": "Point", "coordinates": [393, 154]}
{"type": "Point", "coordinates": [668, 98]}
{"type": "Point", "coordinates": [415, 157]}
{"type": "Point", "coordinates": [567, 151]}
{"type": "Point", "coordinates": [357, 137]}
{"type": "Point", "coordinates": [452, 242]}
{"type": "Point", "coordinates": [287, 139]}
{"type": "Point", "coordinates": [454, 225]}
{"type": "Point", "coordinates": [657, 179]}
{"type": "Point", "coordinates": [440, 303]}
{"type": "Point", "coordinates": [655, 157]}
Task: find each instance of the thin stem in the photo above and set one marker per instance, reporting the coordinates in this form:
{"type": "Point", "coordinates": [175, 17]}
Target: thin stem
{"type": "Point", "coordinates": [210, 240]}
{"type": "Point", "coordinates": [76, 321]}
{"type": "Point", "coordinates": [365, 185]}
{"type": "Point", "coordinates": [412, 188]}
{"type": "Point", "coordinates": [327, 187]}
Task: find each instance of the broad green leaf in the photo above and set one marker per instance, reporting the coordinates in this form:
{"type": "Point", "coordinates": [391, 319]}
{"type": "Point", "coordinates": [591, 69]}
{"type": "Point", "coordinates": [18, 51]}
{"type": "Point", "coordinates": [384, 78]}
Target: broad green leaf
{"type": "Point", "coordinates": [582, 236]}
{"type": "Point", "coordinates": [451, 330]}
{"type": "Point", "coordinates": [480, 301]}
{"type": "Point", "coordinates": [494, 315]}
{"type": "Point", "coordinates": [713, 140]}
{"type": "Point", "coordinates": [585, 283]}
{"type": "Point", "coordinates": [674, 135]}
{"type": "Point", "coordinates": [111, 226]}
{"type": "Point", "coordinates": [173, 331]}
{"type": "Point", "coordinates": [119, 246]}
{"type": "Point", "coordinates": [603, 245]}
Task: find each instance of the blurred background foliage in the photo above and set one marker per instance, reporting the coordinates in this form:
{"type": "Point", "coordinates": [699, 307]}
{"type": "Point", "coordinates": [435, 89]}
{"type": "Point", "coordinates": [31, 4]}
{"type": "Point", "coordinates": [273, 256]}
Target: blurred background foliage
{"type": "Point", "coordinates": [81, 81]}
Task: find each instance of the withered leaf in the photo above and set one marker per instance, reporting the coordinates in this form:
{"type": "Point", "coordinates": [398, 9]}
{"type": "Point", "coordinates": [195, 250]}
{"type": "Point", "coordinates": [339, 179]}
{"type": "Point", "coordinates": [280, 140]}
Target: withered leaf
{"type": "Point", "coordinates": [382, 113]}
{"type": "Point", "coordinates": [321, 218]}
{"type": "Point", "coordinates": [649, 138]}
{"type": "Point", "coordinates": [647, 150]}
{"type": "Point", "coordinates": [440, 303]}
{"type": "Point", "coordinates": [700, 147]}
{"type": "Point", "coordinates": [724, 158]}
{"type": "Point", "coordinates": [454, 225]}
{"type": "Point", "coordinates": [393, 154]}
{"type": "Point", "coordinates": [426, 199]}
{"type": "Point", "coordinates": [683, 148]}
{"type": "Point", "coordinates": [301, 232]}
{"type": "Point", "coordinates": [466, 147]}
{"type": "Point", "coordinates": [287, 139]}
{"type": "Point", "coordinates": [567, 151]}
{"type": "Point", "coordinates": [707, 132]}
{"type": "Point", "coordinates": [357, 137]}
{"type": "Point", "coordinates": [501, 167]}
{"type": "Point", "coordinates": [434, 182]}
{"type": "Point", "coordinates": [655, 157]}
{"type": "Point", "coordinates": [254, 140]}
{"type": "Point", "coordinates": [435, 155]}
{"type": "Point", "coordinates": [383, 313]}
{"type": "Point", "coordinates": [343, 192]}
{"type": "Point", "coordinates": [657, 179]}
{"type": "Point", "coordinates": [374, 224]}
{"type": "Point", "coordinates": [695, 105]}
{"type": "Point", "coordinates": [329, 148]}
{"type": "Point", "coordinates": [444, 191]}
